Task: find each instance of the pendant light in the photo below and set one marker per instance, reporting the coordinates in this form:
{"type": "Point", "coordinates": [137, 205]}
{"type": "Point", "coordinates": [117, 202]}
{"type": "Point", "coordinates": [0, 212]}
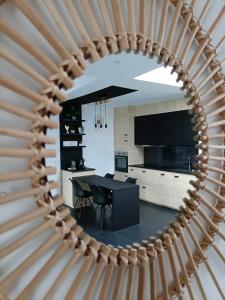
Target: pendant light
{"type": "Point", "coordinates": [96, 125]}
{"type": "Point", "coordinates": [101, 115]}
{"type": "Point", "coordinates": [106, 125]}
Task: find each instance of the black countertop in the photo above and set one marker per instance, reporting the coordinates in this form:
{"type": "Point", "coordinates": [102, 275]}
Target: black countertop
{"type": "Point", "coordinates": [108, 183]}
{"type": "Point", "coordinates": [166, 169]}
{"type": "Point", "coordinates": [80, 170]}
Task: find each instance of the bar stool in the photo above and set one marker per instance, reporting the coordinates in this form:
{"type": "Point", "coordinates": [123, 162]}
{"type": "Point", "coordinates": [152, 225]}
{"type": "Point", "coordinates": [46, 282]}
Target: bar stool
{"type": "Point", "coordinates": [108, 175]}
{"type": "Point", "coordinates": [131, 180]}
{"type": "Point", "coordinates": [101, 200]}
{"type": "Point", "coordinates": [106, 191]}
{"type": "Point", "coordinates": [80, 196]}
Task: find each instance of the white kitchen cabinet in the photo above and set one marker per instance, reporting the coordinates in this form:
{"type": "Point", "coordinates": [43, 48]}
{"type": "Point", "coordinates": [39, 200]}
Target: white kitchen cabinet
{"type": "Point", "coordinates": [171, 188]}
{"type": "Point", "coordinates": [144, 192]}
{"type": "Point", "coordinates": [145, 176]}
{"type": "Point", "coordinates": [147, 193]}
{"type": "Point", "coordinates": [181, 185]}
{"type": "Point", "coordinates": [132, 172]}
{"type": "Point", "coordinates": [67, 189]}
{"type": "Point", "coordinates": [145, 180]}
{"type": "Point", "coordinates": [124, 134]}
{"type": "Point", "coordinates": [160, 187]}
{"type": "Point", "coordinates": [121, 129]}
{"type": "Point", "coordinates": [164, 195]}
{"type": "Point", "coordinates": [163, 183]}
{"type": "Point", "coordinates": [121, 176]}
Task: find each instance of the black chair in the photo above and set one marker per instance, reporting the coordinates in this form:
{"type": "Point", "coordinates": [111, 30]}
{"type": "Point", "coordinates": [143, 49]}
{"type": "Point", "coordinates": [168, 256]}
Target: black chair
{"type": "Point", "coordinates": [80, 196]}
{"type": "Point", "coordinates": [102, 201]}
{"type": "Point", "coordinates": [108, 175]}
{"type": "Point", "coordinates": [131, 180]}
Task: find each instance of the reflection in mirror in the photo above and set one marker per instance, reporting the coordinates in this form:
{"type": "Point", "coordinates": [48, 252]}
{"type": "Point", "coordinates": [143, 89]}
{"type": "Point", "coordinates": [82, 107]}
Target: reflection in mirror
{"type": "Point", "coordinates": [125, 150]}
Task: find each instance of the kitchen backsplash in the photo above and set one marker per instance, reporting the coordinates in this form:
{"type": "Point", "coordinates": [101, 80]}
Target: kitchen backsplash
{"type": "Point", "coordinates": [169, 156]}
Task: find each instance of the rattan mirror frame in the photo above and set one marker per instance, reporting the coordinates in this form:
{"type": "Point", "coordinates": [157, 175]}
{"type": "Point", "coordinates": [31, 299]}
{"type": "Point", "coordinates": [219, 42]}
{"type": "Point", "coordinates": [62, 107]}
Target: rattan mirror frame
{"type": "Point", "coordinates": [135, 258]}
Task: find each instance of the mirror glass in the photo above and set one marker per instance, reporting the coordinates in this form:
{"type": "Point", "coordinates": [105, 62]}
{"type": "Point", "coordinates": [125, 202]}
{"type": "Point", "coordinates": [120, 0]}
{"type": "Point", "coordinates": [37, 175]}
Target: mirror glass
{"type": "Point", "coordinates": [125, 149]}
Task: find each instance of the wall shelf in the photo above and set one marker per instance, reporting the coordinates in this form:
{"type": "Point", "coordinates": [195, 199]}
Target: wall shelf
{"type": "Point", "coordinates": [70, 153]}
{"type": "Point", "coordinates": [72, 134]}
{"type": "Point", "coordinates": [73, 147]}
{"type": "Point", "coordinates": [71, 120]}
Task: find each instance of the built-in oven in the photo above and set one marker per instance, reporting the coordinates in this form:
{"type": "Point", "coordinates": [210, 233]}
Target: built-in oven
{"type": "Point", "coordinates": [121, 162]}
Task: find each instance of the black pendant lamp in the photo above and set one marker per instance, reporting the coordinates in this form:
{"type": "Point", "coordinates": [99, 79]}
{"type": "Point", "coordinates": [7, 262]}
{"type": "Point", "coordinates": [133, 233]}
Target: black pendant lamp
{"type": "Point", "coordinates": [101, 115]}
{"type": "Point", "coordinates": [96, 125]}
{"type": "Point", "coordinates": [106, 125]}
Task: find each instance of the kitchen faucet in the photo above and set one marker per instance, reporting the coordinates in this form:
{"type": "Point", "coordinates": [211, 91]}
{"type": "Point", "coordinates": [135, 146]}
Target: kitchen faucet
{"type": "Point", "coordinates": [189, 162]}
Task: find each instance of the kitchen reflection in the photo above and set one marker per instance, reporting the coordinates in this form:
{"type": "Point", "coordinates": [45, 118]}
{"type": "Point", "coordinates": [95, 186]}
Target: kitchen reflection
{"type": "Point", "coordinates": [126, 155]}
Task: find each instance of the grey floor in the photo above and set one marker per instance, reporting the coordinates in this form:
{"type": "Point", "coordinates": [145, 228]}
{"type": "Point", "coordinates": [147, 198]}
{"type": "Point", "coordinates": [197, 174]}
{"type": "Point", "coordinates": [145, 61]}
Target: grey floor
{"type": "Point", "coordinates": [153, 219]}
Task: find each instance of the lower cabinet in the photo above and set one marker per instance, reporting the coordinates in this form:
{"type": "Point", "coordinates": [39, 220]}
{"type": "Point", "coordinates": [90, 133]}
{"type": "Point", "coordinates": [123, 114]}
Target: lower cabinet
{"type": "Point", "coordinates": [164, 188]}
{"type": "Point", "coordinates": [147, 193]}
{"type": "Point", "coordinates": [121, 176]}
{"type": "Point", "coordinates": [67, 189]}
{"type": "Point", "coordinates": [164, 196]}
{"type": "Point", "coordinates": [163, 183]}
{"type": "Point", "coordinates": [181, 185]}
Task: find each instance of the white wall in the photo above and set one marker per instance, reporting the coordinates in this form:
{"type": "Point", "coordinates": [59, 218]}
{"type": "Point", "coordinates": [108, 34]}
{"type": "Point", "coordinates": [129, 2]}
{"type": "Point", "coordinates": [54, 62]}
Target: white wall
{"type": "Point", "coordinates": [99, 151]}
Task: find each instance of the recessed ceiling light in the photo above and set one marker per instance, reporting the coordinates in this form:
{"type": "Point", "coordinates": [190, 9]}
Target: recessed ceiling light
{"type": "Point", "coordinates": [160, 75]}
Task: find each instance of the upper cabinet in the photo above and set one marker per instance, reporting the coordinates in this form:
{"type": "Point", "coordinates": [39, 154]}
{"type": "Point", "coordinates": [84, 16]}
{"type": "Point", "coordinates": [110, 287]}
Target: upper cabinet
{"type": "Point", "coordinates": [121, 127]}
{"type": "Point", "coordinates": [124, 134]}
{"type": "Point", "coordinates": [172, 128]}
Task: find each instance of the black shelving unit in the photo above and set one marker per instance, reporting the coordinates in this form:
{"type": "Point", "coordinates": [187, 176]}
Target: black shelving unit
{"type": "Point", "coordinates": [69, 153]}
{"type": "Point", "coordinates": [72, 134]}
{"type": "Point", "coordinates": [73, 147]}
{"type": "Point", "coordinates": [72, 120]}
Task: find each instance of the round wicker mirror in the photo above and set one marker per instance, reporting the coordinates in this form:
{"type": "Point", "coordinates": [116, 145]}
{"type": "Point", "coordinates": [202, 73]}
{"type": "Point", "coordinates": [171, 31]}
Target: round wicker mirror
{"type": "Point", "coordinates": [91, 30]}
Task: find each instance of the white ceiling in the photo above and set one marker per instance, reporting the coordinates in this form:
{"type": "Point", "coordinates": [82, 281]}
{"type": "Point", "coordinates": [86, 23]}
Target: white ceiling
{"type": "Point", "coordinates": [120, 69]}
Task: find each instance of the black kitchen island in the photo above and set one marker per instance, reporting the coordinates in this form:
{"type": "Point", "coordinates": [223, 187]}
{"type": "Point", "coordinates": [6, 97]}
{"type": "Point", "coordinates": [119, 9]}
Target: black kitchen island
{"type": "Point", "coordinates": [125, 200]}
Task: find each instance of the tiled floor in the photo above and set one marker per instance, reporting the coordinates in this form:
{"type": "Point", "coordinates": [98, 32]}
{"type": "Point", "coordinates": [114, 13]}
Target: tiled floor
{"type": "Point", "coordinates": [153, 218]}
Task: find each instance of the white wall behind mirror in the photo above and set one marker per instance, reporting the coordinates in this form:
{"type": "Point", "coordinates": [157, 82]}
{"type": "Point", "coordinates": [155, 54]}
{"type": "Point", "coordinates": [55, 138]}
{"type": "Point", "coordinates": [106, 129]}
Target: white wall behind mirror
{"type": "Point", "coordinates": [160, 183]}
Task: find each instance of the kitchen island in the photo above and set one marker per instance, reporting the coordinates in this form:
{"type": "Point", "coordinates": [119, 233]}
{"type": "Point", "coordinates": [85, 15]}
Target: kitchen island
{"type": "Point", "coordinates": [125, 200]}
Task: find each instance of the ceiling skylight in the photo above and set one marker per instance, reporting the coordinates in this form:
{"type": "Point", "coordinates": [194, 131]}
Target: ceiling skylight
{"type": "Point", "coordinates": [160, 75]}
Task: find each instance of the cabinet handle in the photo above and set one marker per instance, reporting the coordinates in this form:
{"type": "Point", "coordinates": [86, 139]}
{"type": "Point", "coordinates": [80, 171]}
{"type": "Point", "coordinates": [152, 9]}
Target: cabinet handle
{"type": "Point", "coordinates": [176, 176]}
{"type": "Point", "coordinates": [132, 169]}
{"type": "Point", "coordinates": [125, 175]}
{"type": "Point", "coordinates": [144, 187]}
{"type": "Point", "coordinates": [162, 174]}
{"type": "Point", "coordinates": [143, 171]}
{"type": "Point", "coordinates": [125, 134]}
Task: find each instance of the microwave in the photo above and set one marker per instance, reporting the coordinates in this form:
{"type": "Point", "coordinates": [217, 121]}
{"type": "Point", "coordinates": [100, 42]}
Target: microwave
{"type": "Point", "coordinates": [121, 162]}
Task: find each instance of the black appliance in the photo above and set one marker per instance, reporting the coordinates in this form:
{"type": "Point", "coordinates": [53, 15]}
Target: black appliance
{"type": "Point", "coordinates": [173, 128]}
{"type": "Point", "coordinates": [121, 162]}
